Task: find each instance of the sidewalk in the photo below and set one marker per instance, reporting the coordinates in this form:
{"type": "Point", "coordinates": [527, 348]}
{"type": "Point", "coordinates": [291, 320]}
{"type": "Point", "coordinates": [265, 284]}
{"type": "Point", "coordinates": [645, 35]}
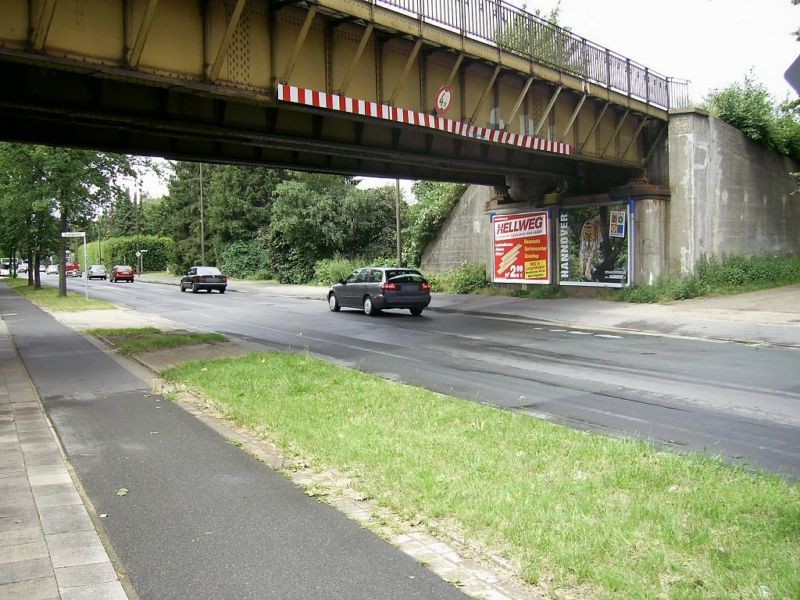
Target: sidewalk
{"type": "Point", "coordinates": [765, 317]}
{"type": "Point", "coordinates": [48, 544]}
{"type": "Point", "coordinates": [187, 512]}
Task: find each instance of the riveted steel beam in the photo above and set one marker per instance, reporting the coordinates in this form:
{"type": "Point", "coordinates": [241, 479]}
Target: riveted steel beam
{"type": "Point", "coordinates": [633, 138]}
{"type": "Point", "coordinates": [595, 124]}
{"type": "Point", "coordinates": [518, 103]}
{"type": "Point", "coordinates": [616, 133]}
{"type": "Point", "coordinates": [298, 45]}
{"type": "Point", "coordinates": [485, 94]}
{"type": "Point", "coordinates": [406, 69]}
{"type": "Point", "coordinates": [652, 149]}
{"type": "Point", "coordinates": [547, 110]}
{"type": "Point", "coordinates": [454, 70]}
{"type": "Point", "coordinates": [141, 37]}
{"type": "Point", "coordinates": [42, 27]}
{"type": "Point", "coordinates": [222, 51]}
{"type": "Point", "coordinates": [573, 117]}
{"type": "Point", "coordinates": [356, 58]}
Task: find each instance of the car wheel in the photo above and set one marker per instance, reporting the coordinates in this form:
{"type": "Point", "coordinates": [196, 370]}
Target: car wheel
{"type": "Point", "coordinates": [333, 303]}
{"type": "Point", "coordinates": [221, 290]}
{"type": "Point", "coordinates": [415, 311]}
{"type": "Point", "coordinates": [369, 308]}
{"type": "Point", "coordinates": [194, 288]}
{"type": "Point", "coordinates": [113, 280]}
{"type": "Point", "coordinates": [183, 289]}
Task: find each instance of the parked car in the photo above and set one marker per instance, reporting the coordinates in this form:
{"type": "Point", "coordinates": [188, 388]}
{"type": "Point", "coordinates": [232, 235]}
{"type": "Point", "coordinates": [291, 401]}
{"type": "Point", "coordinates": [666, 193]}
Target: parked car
{"type": "Point", "coordinates": [204, 278]}
{"type": "Point", "coordinates": [121, 273]}
{"type": "Point", "coordinates": [72, 269]}
{"type": "Point", "coordinates": [376, 288]}
{"type": "Point", "coordinates": [52, 270]}
{"type": "Point", "coordinates": [96, 272]}
{"type": "Point", "coordinates": [22, 269]}
{"type": "Point", "coordinates": [5, 269]}
{"type": "Point", "coordinates": [42, 269]}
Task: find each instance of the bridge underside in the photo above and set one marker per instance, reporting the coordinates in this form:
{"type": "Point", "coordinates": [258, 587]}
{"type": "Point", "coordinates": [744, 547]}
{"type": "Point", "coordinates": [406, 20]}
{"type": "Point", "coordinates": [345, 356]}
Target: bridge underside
{"type": "Point", "coordinates": [339, 86]}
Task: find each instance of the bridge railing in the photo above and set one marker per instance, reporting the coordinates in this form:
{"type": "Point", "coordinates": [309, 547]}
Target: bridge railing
{"type": "Point", "coordinates": [514, 30]}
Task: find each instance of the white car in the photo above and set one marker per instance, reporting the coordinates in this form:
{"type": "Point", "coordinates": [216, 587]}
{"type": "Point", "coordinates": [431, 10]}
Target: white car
{"type": "Point", "coordinates": [96, 271]}
{"type": "Point", "coordinates": [52, 270]}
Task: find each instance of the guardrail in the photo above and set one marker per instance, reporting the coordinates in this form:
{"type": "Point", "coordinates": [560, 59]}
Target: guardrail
{"type": "Point", "coordinates": [514, 30]}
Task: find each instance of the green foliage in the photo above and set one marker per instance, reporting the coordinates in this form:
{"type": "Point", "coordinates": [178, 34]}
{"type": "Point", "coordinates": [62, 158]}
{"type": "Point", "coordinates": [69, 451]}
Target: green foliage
{"type": "Point", "coordinates": [330, 270]}
{"type": "Point", "coordinates": [466, 279]}
{"type": "Point", "coordinates": [243, 259]}
{"type": "Point", "coordinates": [733, 274]}
{"type": "Point", "coordinates": [542, 292]}
{"type": "Point", "coordinates": [435, 201]}
{"type": "Point", "coordinates": [160, 252]}
{"type": "Point", "coordinates": [749, 107]}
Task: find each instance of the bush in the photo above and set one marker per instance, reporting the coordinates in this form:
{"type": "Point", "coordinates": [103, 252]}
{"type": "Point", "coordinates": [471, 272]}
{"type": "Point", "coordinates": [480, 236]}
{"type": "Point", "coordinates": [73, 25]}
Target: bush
{"type": "Point", "coordinates": [543, 292]}
{"type": "Point", "coordinates": [466, 279]}
{"type": "Point", "coordinates": [243, 259]}
{"type": "Point", "coordinates": [160, 252]}
{"type": "Point", "coordinates": [330, 270]}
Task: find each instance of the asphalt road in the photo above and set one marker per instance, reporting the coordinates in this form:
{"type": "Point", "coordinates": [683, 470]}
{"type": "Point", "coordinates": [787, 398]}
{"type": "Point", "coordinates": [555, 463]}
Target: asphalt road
{"type": "Point", "coordinates": [727, 399]}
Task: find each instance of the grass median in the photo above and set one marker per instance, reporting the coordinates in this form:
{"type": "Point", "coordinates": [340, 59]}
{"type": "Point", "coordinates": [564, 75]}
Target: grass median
{"type": "Point", "coordinates": [136, 340]}
{"type": "Point", "coordinates": [47, 297]}
{"type": "Point", "coordinates": [587, 514]}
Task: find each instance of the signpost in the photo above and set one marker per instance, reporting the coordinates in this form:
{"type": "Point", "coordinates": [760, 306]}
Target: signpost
{"type": "Point", "coordinates": [80, 234]}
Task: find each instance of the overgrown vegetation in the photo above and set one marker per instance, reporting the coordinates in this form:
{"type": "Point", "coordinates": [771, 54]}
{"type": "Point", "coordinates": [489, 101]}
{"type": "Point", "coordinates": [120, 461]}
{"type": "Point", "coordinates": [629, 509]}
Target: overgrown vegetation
{"type": "Point", "coordinates": [136, 340]}
{"type": "Point", "coordinates": [732, 275]}
{"type": "Point", "coordinates": [578, 512]}
{"type": "Point", "coordinates": [466, 279]}
{"type": "Point", "coordinates": [435, 201]}
{"type": "Point", "coordinates": [749, 107]}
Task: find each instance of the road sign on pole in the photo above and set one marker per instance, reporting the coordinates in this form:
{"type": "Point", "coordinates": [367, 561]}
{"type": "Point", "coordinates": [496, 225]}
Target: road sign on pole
{"type": "Point", "coordinates": [73, 234]}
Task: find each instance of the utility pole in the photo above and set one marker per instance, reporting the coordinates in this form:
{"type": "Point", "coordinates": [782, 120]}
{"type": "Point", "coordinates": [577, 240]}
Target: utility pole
{"type": "Point", "coordinates": [397, 223]}
{"type": "Point", "coordinates": [202, 225]}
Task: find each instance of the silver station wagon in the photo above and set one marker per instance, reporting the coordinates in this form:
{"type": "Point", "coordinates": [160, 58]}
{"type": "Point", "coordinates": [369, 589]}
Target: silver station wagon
{"type": "Point", "coordinates": [374, 289]}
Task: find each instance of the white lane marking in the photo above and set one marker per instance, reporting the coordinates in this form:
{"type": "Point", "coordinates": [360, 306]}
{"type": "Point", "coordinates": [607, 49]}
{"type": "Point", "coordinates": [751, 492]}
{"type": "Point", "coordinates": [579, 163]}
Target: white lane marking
{"type": "Point", "coordinates": [609, 336]}
{"type": "Point", "coordinates": [580, 333]}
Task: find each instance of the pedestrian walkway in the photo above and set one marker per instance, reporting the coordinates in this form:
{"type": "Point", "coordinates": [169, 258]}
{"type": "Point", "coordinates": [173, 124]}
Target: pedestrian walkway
{"type": "Point", "coordinates": [187, 512]}
{"type": "Point", "coordinates": [49, 547]}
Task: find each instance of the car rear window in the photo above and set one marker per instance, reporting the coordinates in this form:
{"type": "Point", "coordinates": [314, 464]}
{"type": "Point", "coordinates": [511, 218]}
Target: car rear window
{"type": "Point", "coordinates": [208, 271]}
{"type": "Point", "coordinates": [391, 274]}
{"type": "Point", "coordinates": [408, 278]}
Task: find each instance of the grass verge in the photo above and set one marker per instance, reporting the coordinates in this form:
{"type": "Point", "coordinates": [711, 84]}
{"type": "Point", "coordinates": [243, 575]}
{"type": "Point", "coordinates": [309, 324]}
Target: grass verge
{"type": "Point", "coordinates": [47, 297]}
{"type": "Point", "coordinates": [136, 340]}
{"type": "Point", "coordinates": [577, 511]}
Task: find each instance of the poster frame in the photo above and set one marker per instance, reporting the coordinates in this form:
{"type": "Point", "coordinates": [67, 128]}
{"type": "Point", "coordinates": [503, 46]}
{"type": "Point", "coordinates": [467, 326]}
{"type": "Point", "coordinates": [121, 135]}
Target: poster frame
{"type": "Point", "coordinates": [548, 211]}
{"type": "Point", "coordinates": [630, 207]}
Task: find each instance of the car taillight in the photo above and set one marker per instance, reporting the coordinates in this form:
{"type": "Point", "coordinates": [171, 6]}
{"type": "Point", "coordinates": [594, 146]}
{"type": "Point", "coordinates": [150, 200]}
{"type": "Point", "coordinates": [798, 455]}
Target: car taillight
{"type": "Point", "coordinates": [424, 287]}
{"type": "Point", "coordinates": [390, 286]}
{"type": "Point", "coordinates": [201, 279]}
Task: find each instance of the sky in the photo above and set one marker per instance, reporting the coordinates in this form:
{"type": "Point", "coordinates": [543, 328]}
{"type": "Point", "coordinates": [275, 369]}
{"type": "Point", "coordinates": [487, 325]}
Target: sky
{"type": "Point", "coordinates": [712, 43]}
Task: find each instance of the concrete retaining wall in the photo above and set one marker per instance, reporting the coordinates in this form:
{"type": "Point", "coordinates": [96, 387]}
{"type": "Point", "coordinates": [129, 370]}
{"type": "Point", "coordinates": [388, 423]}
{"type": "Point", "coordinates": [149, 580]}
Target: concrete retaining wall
{"type": "Point", "coordinates": [729, 195]}
{"type": "Point", "coordinates": [465, 236]}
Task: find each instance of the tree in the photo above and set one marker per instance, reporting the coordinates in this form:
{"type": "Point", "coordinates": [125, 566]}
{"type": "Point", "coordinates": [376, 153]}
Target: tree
{"type": "Point", "coordinates": [749, 107]}
{"type": "Point", "coordinates": [426, 217]}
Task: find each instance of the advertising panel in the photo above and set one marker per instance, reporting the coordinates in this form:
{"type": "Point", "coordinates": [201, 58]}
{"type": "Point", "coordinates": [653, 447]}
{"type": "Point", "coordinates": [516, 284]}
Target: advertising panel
{"type": "Point", "coordinates": [521, 247]}
{"type": "Point", "coordinates": [594, 245]}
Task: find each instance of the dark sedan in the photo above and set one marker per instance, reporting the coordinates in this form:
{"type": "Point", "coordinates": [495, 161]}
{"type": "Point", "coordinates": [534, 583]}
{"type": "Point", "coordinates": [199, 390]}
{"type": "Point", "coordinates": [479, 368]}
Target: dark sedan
{"type": "Point", "coordinates": [204, 278]}
{"type": "Point", "coordinates": [376, 288]}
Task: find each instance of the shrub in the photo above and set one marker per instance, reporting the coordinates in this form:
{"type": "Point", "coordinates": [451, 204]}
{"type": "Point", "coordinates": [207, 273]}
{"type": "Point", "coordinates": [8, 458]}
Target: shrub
{"type": "Point", "coordinates": [243, 259]}
{"type": "Point", "coordinates": [330, 270]}
{"type": "Point", "coordinates": [539, 291]}
{"type": "Point", "coordinates": [466, 279]}
{"type": "Point", "coordinates": [160, 252]}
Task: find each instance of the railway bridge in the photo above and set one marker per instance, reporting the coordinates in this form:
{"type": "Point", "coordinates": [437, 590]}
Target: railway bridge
{"type": "Point", "coordinates": [477, 91]}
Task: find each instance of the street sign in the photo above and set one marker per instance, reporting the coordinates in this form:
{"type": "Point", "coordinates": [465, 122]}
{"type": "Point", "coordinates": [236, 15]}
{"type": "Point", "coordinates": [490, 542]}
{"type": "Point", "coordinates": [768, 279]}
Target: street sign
{"type": "Point", "coordinates": [73, 234]}
{"type": "Point", "coordinates": [443, 98]}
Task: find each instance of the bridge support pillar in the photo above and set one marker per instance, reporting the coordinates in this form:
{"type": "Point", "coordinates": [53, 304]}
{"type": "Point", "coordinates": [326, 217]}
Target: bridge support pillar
{"type": "Point", "coordinates": [650, 209]}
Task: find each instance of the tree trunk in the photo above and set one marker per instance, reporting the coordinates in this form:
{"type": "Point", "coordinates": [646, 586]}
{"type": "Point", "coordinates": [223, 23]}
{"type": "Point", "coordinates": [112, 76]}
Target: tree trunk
{"type": "Point", "coordinates": [62, 256]}
{"type": "Point", "coordinates": [30, 267]}
{"type": "Point", "coordinates": [37, 277]}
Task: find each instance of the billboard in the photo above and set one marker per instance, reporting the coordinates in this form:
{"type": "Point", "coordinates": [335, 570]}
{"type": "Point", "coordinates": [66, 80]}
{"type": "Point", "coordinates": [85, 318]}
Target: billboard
{"type": "Point", "coordinates": [594, 245]}
{"type": "Point", "coordinates": [521, 248]}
